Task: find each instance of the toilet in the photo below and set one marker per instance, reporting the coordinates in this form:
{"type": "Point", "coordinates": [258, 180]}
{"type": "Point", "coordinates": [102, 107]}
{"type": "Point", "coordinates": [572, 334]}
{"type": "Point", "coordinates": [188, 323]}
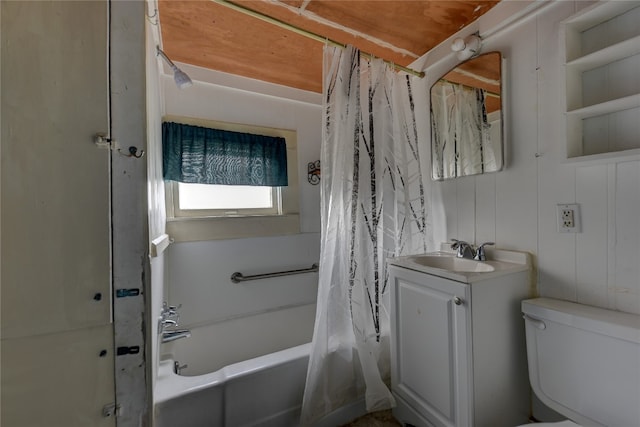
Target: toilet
{"type": "Point", "coordinates": [584, 362]}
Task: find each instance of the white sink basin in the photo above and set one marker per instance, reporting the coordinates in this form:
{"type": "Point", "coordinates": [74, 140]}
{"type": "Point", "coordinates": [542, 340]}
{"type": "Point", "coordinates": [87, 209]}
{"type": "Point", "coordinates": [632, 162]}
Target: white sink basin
{"type": "Point", "coordinates": [446, 264]}
{"type": "Point", "coordinates": [452, 263]}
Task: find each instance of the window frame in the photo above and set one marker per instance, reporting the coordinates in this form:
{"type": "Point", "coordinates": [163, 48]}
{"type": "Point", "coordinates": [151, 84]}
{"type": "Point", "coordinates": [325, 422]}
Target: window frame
{"type": "Point", "coordinates": [207, 225]}
{"type": "Point", "coordinates": [176, 212]}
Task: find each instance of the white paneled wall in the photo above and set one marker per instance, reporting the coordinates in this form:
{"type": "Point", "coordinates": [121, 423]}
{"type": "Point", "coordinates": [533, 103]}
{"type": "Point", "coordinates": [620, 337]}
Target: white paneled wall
{"type": "Point", "coordinates": [624, 258]}
{"type": "Point", "coordinates": [198, 273]}
{"type": "Point", "coordinates": [516, 208]}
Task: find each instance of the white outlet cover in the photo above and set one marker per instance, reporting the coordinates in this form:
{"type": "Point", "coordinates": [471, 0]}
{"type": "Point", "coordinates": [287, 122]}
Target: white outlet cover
{"type": "Point", "coordinates": [576, 218]}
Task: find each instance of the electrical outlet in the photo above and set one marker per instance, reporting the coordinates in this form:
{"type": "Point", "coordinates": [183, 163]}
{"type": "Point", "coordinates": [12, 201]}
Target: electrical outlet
{"type": "Point", "coordinates": [569, 218]}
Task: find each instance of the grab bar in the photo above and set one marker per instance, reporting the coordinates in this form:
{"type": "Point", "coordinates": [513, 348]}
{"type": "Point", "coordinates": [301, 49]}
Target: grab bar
{"type": "Point", "coordinates": [238, 277]}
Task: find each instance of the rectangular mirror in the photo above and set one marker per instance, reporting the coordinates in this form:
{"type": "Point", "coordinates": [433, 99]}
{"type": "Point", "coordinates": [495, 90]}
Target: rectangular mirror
{"type": "Point", "coordinates": [466, 119]}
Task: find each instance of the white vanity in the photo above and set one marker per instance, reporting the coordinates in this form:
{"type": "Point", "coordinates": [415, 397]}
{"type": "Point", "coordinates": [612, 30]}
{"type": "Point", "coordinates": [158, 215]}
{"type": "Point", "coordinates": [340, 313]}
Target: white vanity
{"type": "Point", "coordinates": [458, 353]}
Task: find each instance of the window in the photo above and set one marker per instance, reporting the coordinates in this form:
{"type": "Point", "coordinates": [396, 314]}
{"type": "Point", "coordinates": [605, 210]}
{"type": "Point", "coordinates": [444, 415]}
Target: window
{"type": "Point", "coordinates": [204, 200]}
{"type": "Point", "coordinates": [209, 212]}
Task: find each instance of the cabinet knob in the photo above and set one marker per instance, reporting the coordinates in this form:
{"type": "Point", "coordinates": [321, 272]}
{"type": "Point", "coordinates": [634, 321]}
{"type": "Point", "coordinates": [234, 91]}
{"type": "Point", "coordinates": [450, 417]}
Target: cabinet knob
{"type": "Point", "coordinates": [457, 300]}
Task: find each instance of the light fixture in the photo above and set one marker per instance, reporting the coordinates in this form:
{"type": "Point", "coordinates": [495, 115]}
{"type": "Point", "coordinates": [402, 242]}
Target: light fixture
{"type": "Point", "coordinates": [180, 77]}
{"type": "Point", "coordinates": [467, 47]}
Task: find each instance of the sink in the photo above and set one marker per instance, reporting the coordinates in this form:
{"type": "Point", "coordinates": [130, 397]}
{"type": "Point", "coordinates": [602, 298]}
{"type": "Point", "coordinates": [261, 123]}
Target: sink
{"type": "Point", "coordinates": [446, 264]}
{"type": "Point", "coordinates": [452, 263]}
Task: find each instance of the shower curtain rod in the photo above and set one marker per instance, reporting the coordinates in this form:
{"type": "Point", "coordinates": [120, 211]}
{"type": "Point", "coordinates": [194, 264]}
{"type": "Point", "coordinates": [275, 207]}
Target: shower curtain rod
{"type": "Point", "coordinates": [489, 93]}
{"type": "Point", "coordinates": [309, 34]}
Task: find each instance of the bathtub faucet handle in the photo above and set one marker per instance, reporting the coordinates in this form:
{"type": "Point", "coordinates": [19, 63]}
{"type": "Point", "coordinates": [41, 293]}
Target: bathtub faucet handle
{"type": "Point", "coordinates": [170, 309]}
{"type": "Point", "coordinates": [169, 317]}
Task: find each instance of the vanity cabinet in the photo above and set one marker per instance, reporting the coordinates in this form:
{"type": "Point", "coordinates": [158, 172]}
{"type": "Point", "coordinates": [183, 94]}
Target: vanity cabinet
{"type": "Point", "coordinates": [602, 60]}
{"type": "Point", "coordinates": [458, 354]}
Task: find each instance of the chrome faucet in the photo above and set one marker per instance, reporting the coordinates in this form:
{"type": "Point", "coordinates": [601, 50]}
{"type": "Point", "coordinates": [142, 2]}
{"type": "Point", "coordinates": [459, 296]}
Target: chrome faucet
{"type": "Point", "coordinates": [168, 336]}
{"type": "Point", "coordinates": [177, 367]}
{"type": "Point", "coordinates": [465, 250]}
{"type": "Point", "coordinates": [167, 323]}
{"type": "Point", "coordinates": [169, 318]}
{"type": "Point", "coordinates": [480, 255]}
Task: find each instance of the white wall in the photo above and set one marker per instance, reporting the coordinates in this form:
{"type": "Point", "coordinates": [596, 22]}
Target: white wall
{"type": "Point", "coordinates": [156, 206]}
{"type": "Point", "coordinates": [516, 208]}
{"type": "Point", "coordinates": [198, 273]}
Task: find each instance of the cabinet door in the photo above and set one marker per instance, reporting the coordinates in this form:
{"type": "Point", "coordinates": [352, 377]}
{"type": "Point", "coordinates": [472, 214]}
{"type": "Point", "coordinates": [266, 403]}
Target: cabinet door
{"type": "Point", "coordinates": [55, 181]}
{"type": "Point", "coordinates": [430, 346]}
{"type": "Point", "coordinates": [57, 363]}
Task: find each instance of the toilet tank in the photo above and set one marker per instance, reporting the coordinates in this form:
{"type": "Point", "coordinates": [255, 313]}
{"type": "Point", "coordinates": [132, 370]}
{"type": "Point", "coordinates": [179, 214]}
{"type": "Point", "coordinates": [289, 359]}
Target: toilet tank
{"type": "Point", "coordinates": [584, 362]}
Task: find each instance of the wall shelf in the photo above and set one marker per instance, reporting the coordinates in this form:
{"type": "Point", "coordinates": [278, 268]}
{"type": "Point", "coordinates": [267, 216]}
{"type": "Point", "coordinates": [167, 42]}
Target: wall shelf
{"type": "Point", "coordinates": [619, 104]}
{"type": "Point", "coordinates": [602, 76]}
{"type": "Point", "coordinates": [604, 56]}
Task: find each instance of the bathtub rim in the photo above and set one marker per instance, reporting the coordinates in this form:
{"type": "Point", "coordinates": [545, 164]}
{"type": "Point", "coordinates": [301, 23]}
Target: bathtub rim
{"type": "Point", "coordinates": [170, 385]}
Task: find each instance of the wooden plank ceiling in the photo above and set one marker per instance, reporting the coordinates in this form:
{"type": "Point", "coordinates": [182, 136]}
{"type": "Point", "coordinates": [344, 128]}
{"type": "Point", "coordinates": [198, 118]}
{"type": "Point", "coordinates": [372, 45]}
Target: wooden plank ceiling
{"type": "Point", "coordinates": [207, 34]}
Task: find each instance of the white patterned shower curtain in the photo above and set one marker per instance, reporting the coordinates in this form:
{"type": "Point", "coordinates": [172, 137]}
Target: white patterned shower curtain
{"type": "Point", "coordinates": [374, 206]}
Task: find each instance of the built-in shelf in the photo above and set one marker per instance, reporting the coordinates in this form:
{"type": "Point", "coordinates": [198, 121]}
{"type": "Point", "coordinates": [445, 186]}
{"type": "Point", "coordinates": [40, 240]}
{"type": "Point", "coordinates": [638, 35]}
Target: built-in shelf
{"type": "Point", "coordinates": [619, 104]}
{"type": "Point", "coordinates": [602, 76]}
{"type": "Point", "coordinates": [607, 55]}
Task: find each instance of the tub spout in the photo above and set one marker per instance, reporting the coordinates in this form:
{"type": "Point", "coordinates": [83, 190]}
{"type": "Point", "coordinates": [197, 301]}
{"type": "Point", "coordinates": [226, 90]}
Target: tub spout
{"type": "Point", "coordinates": [168, 336]}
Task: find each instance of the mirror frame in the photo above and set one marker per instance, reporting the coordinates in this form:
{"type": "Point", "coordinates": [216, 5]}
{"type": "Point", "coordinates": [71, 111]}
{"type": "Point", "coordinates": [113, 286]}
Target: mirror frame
{"type": "Point", "coordinates": [454, 76]}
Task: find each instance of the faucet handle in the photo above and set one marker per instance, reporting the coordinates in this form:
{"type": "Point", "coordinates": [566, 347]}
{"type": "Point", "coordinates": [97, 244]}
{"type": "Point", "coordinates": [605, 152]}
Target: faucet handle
{"type": "Point", "coordinates": [169, 310]}
{"type": "Point", "coordinates": [480, 255]}
{"type": "Point", "coordinates": [457, 243]}
{"type": "Point", "coordinates": [464, 249]}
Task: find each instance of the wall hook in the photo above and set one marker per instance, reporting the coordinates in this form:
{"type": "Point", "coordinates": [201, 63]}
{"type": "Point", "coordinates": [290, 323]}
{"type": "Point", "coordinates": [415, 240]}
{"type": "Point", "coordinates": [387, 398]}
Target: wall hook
{"type": "Point", "coordinates": [133, 152]}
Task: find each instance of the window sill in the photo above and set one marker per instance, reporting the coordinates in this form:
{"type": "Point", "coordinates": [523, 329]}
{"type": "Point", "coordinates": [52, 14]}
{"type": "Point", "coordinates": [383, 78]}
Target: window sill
{"type": "Point", "coordinates": [219, 228]}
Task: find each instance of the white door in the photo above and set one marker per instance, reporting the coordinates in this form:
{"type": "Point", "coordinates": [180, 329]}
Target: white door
{"type": "Point", "coordinates": [57, 335]}
{"type": "Point", "coordinates": [430, 366]}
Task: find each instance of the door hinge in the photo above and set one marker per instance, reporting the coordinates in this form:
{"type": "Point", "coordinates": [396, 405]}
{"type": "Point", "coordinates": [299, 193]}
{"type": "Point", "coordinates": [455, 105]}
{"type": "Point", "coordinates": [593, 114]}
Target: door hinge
{"type": "Point", "coordinates": [112, 410]}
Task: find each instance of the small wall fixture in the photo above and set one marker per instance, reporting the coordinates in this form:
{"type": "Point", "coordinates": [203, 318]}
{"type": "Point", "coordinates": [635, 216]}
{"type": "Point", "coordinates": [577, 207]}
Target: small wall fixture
{"type": "Point", "coordinates": [313, 172]}
{"type": "Point", "coordinates": [467, 47]}
{"type": "Point", "coordinates": [180, 77]}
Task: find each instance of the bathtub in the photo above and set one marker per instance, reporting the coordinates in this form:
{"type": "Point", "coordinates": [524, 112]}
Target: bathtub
{"type": "Point", "coordinates": [243, 371]}
{"type": "Point", "coordinates": [231, 382]}
{"type": "Point", "coordinates": [262, 392]}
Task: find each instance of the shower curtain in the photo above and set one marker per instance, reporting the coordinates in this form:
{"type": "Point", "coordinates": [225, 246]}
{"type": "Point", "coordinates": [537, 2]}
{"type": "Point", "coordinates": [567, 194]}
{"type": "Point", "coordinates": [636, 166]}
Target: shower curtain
{"type": "Point", "coordinates": [374, 206]}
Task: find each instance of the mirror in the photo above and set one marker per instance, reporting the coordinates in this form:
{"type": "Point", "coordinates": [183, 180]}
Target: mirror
{"type": "Point", "coordinates": [466, 119]}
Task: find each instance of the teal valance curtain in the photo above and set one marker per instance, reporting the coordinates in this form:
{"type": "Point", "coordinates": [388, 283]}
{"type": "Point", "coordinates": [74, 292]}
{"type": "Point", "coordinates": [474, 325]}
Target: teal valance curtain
{"type": "Point", "coordinates": [195, 154]}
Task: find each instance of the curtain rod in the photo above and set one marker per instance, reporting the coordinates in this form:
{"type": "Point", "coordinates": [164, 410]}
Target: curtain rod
{"type": "Point", "coordinates": [309, 34]}
{"type": "Point", "coordinates": [488, 92]}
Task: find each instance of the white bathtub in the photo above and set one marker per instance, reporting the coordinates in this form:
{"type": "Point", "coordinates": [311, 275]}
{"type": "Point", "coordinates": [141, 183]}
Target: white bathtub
{"type": "Point", "coordinates": [246, 371]}
{"type": "Point", "coordinates": [242, 371]}
{"type": "Point", "coordinates": [264, 391]}
{"type": "Point", "coordinates": [212, 346]}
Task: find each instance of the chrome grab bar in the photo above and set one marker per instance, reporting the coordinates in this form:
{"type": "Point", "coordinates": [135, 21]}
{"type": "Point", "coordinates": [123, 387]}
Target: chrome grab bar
{"type": "Point", "coordinates": [238, 277]}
